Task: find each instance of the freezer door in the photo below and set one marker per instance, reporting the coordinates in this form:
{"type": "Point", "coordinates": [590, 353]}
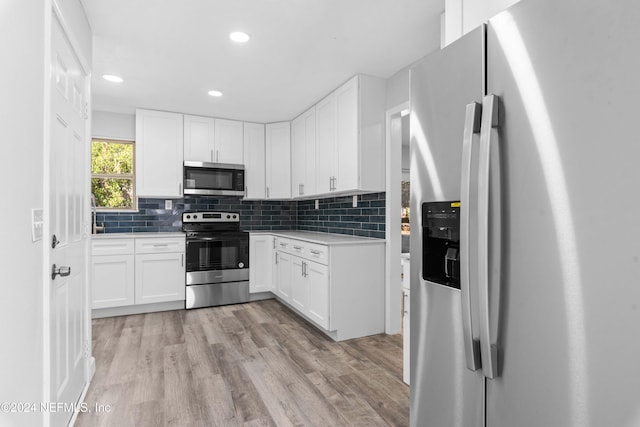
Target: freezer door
{"type": "Point", "coordinates": [566, 325]}
{"type": "Point", "coordinates": [443, 391]}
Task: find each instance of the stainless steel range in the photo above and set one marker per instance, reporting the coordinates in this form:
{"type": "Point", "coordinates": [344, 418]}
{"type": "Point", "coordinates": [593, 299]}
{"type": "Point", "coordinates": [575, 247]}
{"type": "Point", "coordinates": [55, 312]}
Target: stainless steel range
{"type": "Point", "coordinates": [217, 259]}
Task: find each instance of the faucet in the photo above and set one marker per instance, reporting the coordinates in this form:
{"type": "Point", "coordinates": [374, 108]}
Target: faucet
{"type": "Point", "coordinates": [94, 209]}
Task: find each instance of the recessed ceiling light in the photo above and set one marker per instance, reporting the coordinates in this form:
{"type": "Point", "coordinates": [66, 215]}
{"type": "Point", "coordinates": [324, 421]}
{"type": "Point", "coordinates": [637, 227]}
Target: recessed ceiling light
{"type": "Point", "coordinates": [215, 93]}
{"type": "Point", "coordinates": [239, 37]}
{"type": "Point", "coordinates": [112, 78]}
{"type": "Point", "coordinates": [404, 112]}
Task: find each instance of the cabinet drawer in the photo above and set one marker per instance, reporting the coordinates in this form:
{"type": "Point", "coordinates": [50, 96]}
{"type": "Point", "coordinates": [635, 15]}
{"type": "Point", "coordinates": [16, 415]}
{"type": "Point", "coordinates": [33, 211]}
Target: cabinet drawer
{"type": "Point", "coordinates": [160, 245]}
{"type": "Point", "coordinates": [317, 253]}
{"type": "Point", "coordinates": [283, 244]}
{"type": "Point", "coordinates": [112, 247]}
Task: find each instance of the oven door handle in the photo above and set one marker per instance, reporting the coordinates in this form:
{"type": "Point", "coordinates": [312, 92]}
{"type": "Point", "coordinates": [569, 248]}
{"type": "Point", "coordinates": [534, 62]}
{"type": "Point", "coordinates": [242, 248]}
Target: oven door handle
{"type": "Point", "coordinates": [209, 239]}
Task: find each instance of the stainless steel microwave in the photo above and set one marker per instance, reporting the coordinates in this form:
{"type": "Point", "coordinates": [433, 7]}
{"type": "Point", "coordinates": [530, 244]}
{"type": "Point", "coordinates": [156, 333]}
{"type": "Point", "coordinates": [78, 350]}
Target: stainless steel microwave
{"type": "Point", "coordinates": [213, 179]}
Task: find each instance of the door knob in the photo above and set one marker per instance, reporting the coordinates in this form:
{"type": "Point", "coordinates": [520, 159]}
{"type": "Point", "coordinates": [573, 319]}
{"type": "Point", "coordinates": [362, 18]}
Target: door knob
{"type": "Point", "coordinates": [59, 271]}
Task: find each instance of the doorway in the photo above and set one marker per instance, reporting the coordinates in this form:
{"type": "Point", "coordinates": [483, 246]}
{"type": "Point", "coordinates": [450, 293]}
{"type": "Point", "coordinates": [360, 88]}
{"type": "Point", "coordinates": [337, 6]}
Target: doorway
{"type": "Point", "coordinates": [397, 165]}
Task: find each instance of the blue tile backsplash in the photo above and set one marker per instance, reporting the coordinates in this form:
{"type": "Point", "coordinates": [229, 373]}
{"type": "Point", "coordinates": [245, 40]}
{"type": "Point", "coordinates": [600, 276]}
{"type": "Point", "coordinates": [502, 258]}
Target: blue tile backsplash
{"type": "Point", "coordinates": [335, 215]}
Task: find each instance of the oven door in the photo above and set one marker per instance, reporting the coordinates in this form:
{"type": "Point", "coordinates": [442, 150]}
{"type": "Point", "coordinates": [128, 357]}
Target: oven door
{"type": "Point", "coordinates": [217, 257]}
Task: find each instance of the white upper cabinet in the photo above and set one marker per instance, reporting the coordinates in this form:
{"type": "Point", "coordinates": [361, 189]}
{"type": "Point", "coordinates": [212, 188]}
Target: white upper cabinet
{"type": "Point", "coordinates": [278, 165]}
{"type": "Point", "coordinates": [303, 144]}
{"type": "Point", "coordinates": [229, 142]}
{"type": "Point", "coordinates": [254, 161]}
{"type": "Point", "coordinates": [199, 136]}
{"type": "Point", "coordinates": [213, 140]}
{"type": "Point", "coordinates": [326, 143]}
{"type": "Point", "coordinates": [349, 137]}
{"type": "Point", "coordinates": [159, 151]}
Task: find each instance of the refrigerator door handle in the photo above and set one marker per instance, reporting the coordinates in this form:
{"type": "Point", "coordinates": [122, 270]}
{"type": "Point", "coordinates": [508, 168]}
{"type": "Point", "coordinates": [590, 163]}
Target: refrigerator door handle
{"type": "Point", "coordinates": [467, 248]}
{"type": "Point", "coordinates": [490, 120]}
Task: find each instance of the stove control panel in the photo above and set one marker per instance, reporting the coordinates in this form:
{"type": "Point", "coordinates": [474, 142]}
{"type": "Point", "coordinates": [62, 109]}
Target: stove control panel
{"type": "Point", "coordinates": [209, 216]}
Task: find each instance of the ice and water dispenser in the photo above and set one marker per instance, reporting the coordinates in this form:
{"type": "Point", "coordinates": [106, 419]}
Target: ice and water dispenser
{"type": "Point", "coordinates": [441, 243]}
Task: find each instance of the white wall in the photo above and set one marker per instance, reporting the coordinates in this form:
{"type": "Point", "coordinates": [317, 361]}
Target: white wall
{"type": "Point", "coordinates": [113, 125]}
{"type": "Point", "coordinates": [22, 109]}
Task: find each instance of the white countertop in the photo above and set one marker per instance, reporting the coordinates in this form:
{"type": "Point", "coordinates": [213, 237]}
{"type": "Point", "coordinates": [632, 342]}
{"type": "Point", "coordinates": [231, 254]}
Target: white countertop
{"type": "Point", "coordinates": [143, 234]}
{"type": "Point", "coordinates": [323, 238]}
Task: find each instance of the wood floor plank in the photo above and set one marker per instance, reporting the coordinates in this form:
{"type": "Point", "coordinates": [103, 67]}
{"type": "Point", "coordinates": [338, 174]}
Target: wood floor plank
{"type": "Point", "coordinates": [246, 398]}
{"type": "Point", "coordinates": [181, 400]}
{"type": "Point", "coordinates": [254, 364]}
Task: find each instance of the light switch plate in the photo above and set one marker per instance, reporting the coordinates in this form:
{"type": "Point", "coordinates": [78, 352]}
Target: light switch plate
{"type": "Point", "coordinates": [168, 204]}
{"type": "Point", "coordinates": [355, 201]}
{"type": "Point", "coordinates": [37, 224]}
{"type": "Point", "coordinates": [317, 204]}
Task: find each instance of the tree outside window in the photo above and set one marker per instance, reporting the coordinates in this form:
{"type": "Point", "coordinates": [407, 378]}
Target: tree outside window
{"type": "Point", "coordinates": [112, 174]}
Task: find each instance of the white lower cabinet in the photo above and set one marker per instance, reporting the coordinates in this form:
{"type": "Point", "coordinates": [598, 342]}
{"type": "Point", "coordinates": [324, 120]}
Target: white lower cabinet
{"type": "Point", "coordinates": [339, 287]}
{"type": "Point", "coordinates": [299, 284]}
{"type": "Point", "coordinates": [112, 280]}
{"type": "Point", "coordinates": [135, 271]}
{"type": "Point", "coordinates": [260, 262]}
{"type": "Point", "coordinates": [159, 277]}
{"type": "Point", "coordinates": [283, 275]}
{"type": "Point", "coordinates": [317, 286]}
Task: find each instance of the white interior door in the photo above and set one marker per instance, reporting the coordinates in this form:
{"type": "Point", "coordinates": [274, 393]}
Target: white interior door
{"type": "Point", "coordinates": [68, 240]}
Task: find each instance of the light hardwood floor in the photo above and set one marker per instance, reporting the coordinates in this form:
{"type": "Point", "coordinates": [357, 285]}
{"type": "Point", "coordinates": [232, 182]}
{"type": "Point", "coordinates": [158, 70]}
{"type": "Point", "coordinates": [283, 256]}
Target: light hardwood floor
{"type": "Point", "coordinates": [241, 365]}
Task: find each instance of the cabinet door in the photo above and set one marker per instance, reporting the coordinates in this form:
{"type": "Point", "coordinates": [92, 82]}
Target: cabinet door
{"type": "Point", "coordinates": [159, 152]}
{"type": "Point", "coordinates": [228, 146]}
{"type": "Point", "coordinates": [278, 141]}
{"type": "Point", "coordinates": [160, 277]}
{"type": "Point", "coordinates": [112, 281]}
{"type": "Point", "coordinates": [299, 291]}
{"type": "Point", "coordinates": [318, 293]}
{"type": "Point", "coordinates": [347, 105]}
{"type": "Point", "coordinates": [260, 259]}
{"type": "Point", "coordinates": [254, 161]}
{"type": "Point", "coordinates": [326, 142]}
{"type": "Point", "coordinates": [199, 134]}
{"type": "Point", "coordinates": [299, 156]}
{"type": "Point", "coordinates": [309, 183]}
{"type": "Point", "coordinates": [283, 275]}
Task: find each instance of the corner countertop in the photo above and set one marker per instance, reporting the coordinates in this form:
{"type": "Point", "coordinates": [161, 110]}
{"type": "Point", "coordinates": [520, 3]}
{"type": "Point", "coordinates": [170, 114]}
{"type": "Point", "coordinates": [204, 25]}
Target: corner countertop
{"type": "Point", "coordinates": [322, 238]}
{"type": "Point", "coordinates": [107, 236]}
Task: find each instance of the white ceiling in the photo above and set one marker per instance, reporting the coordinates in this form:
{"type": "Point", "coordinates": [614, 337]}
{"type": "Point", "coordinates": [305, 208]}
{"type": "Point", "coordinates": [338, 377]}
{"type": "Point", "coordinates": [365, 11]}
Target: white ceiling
{"type": "Point", "coordinates": [170, 53]}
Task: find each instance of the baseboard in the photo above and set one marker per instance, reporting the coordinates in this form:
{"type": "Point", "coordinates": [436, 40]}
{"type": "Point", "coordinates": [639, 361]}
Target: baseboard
{"type": "Point", "coordinates": [136, 309]}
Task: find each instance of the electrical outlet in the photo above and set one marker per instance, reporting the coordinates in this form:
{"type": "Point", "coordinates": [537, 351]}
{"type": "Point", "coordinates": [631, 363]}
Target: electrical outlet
{"type": "Point", "coordinates": [37, 224]}
{"type": "Point", "coordinates": [355, 201]}
{"type": "Point", "coordinates": [168, 204]}
{"type": "Point", "coordinates": [317, 204]}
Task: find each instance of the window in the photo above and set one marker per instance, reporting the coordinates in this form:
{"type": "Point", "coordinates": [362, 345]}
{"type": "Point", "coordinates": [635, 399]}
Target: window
{"type": "Point", "coordinates": [112, 174]}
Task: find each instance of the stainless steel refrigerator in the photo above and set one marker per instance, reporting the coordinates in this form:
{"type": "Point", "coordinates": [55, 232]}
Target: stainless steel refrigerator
{"type": "Point", "coordinates": [532, 124]}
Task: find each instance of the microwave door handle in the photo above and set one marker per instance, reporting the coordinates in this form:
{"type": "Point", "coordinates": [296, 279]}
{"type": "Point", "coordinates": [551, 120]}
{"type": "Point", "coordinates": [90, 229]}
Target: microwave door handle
{"type": "Point", "coordinates": [467, 242]}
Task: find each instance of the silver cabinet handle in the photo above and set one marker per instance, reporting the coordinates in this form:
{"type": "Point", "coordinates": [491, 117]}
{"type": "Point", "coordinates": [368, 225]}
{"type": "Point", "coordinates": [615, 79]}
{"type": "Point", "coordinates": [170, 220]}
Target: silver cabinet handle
{"type": "Point", "coordinates": [182, 260]}
{"type": "Point", "coordinates": [276, 257]}
{"type": "Point", "coordinates": [211, 154]}
{"type": "Point", "coordinates": [179, 188]}
{"type": "Point", "coordinates": [160, 245]}
{"type": "Point", "coordinates": [217, 155]}
{"type": "Point", "coordinates": [314, 252]}
{"type": "Point", "coordinates": [297, 247]}
{"type": "Point", "coordinates": [62, 271]}
{"type": "Point", "coordinates": [335, 183]}
{"type": "Point", "coordinates": [487, 168]}
{"type": "Point", "coordinates": [471, 343]}
{"type": "Point", "coordinates": [304, 269]}
{"type": "Point", "coordinates": [284, 245]}
{"type": "Point", "coordinates": [302, 192]}
{"type": "Point", "coordinates": [274, 243]}
{"type": "Point", "coordinates": [267, 192]}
